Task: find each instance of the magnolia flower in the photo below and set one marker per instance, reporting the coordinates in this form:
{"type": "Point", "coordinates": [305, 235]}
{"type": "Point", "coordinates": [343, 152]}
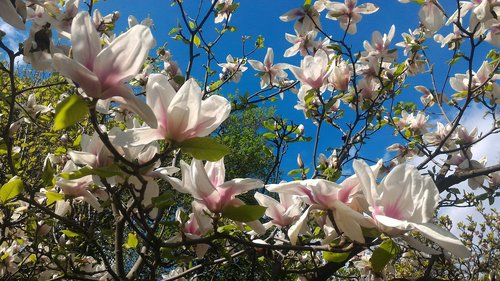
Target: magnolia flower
{"type": "Point", "coordinates": [341, 76]}
{"type": "Point", "coordinates": [437, 137]}
{"type": "Point", "coordinates": [182, 115]}
{"type": "Point", "coordinates": [282, 213]}
{"type": "Point", "coordinates": [207, 186]}
{"type": "Point", "coordinates": [11, 12]}
{"type": "Point", "coordinates": [405, 201]}
{"type": "Point", "coordinates": [325, 195]}
{"type": "Point", "coordinates": [101, 72]}
{"type": "Point", "coordinates": [427, 97]}
{"type": "Point", "coordinates": [301, 43]}
{"type": "Point", "coordinates": [379, 48]}
{"type": "Point", "coordinates": [195, 227]}
{"type": "Point", "coordinates": [483, 77]}
{"type": "Point", "coordinates": [78, 188]}
{"type": "Point", "coordinates": [94, 153]}
{"type": "Point", "coordinates": [224, 10]}
{"type": "Point", "coordinates": [348, 14]}
{"type": "Point", "coordinates": [269, 73]}
{"type": "Point", "coordinates": [233, 68]}
{"type": "Point", "coordinates": [313, 70]}
{"type": "Point", "coordinates": [132, 21]}
{"type": "Point", "coordinates": [307, 17]}
{"type": "Point", "coordinates": [431, 15]}
{"type": "Point", "coordinates": [493, 35]}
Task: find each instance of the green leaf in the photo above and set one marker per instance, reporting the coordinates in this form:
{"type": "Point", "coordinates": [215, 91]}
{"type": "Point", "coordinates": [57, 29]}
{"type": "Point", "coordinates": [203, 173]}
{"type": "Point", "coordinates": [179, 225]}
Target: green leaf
{"type": "Point", "coordinates": [68, 112]}
{"type": "Point", "coordinates": [196, 41]}
{"type": "Point", "coordinates": [204, 149]}
{"type": "Point", "coordinates": [48, 173]}
{"type": "Point", "coordinates": [335, 257]}
{"type": "Point", "coordinates": [53, 197]}
{"type": "Point", "coordinates": [11, 189]}
{"type": "Point", "coordinates": [383, 255]}
{"type": "Point", "coordinates": [245, 213]}
{"type": "Point", "coordinates": [69, 233]}
{"type": "Point", "coordinates": [132, 241]}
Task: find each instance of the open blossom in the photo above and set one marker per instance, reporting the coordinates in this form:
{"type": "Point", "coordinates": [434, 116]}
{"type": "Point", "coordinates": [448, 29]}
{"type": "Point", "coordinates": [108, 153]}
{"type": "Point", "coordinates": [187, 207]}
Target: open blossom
{"type": "Point", "coordinates": [101, 72]}
{"type": "Point", "coordinates": [269, 74]}
{"type": "Point", "coordinates": [435, 138]}
{"type": "Point", "coordinates": [341, 76]}
{"type": "Point", "coordinates": [484, 76]}
{"type": "Point", "coordinates": [405, 201]}
{"type": "Point", "coordinates": [313, 70]}
{"type": "Point", "coordinates": [307, 17]}
{"type": "Point", "coordinates": [182, 115]}
{"type": "Point", "coordinates": [207, 186]}
{"type": "Point", "coordinates": [233, 69]}
{"type": "Point", "coordinates": [348, 14]}
{"type": "Point", "coordinates": [379, 47]}
{"type": "Point", "coordinates": [325, 195]}
{"type": "Point", "coordinates": [224, 10]}
{"type": "Point", "coordinates": [283, 213]}
{"type": "Point", "coordinates": [430, 14]}
{"type": "Point", "coordinates": [302, 43]}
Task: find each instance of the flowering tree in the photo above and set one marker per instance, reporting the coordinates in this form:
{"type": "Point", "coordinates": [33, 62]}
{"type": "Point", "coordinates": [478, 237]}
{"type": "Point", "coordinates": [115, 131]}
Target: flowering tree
{"type": "Point", "coordinates": [112, 155]}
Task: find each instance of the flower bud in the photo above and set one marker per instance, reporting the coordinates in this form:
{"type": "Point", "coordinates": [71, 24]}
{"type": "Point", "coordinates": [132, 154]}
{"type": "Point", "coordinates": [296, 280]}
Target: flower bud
{"type": "Point", "coordinates": [299, 161]}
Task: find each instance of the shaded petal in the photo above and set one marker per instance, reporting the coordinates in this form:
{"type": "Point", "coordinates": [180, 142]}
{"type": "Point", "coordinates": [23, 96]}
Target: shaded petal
{"type": "Point", "coordinates": [444, 239]}
{"type": "Point", "coordinates": [419, 246]}
{"type": "Point", "coordinates": [257, 65]}
{"type": "Point", "coordinates": [75, 71]}
{"type": "Point", "coordinates": [124, 95]}
{"type": "Point", "coordinates": [9, 14]}
{"type": "Point", "coordinates": [83, 158]}
{"type": "Point", "coordinates": [137, 137]}
{"type": "Point", "coordinates": [124, 57]}
{"type": "Point", "coordinates": [85, 41]}
{"type": "Point", "coordinates": [213, 112]}
{"type": "Point", "coordinates": [296, 228]}
{"type": "Point", "coordinates": [159, 94]}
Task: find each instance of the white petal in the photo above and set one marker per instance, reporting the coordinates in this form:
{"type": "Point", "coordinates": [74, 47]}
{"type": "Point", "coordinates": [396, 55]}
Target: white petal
{"type": "Point", "coordinates": [296, 228]}
{"type": "Point", "coordinates": [85, 41]}
{"type": "Point", "coordinates": [444, 239]}
{"type": "Point", "coordinates": [75, 71]}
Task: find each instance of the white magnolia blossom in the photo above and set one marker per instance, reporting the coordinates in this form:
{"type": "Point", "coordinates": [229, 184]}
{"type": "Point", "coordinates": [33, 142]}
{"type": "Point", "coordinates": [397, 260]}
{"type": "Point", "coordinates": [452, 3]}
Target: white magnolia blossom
{"type": "Point", "coordinates": [270, 74]}
{"type": "Point", "coordinates": [348, 14]}
{"type": "Point", "coordinates": [405, 201]}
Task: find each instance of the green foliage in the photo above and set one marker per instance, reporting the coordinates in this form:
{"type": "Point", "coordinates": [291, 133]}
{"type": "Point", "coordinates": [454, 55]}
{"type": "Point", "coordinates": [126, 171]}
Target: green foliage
{"type": "Point", "coordinates": [70, 111]}
{"type": "Point", "coordinates": [244, 213]}
{"type": "Point", "coordinates": [241, 133]}
{"type": "Point", "coordinates": [383, 254]}
{"type": "Point", "coordinates": [11, 189]}
{"type": "Point", "coordinates": [204, 149]}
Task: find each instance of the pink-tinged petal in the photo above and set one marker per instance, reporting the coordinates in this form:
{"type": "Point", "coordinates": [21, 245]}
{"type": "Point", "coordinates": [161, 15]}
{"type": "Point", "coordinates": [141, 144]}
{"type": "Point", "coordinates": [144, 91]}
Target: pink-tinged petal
{"type": "Point", "coordinates": [204, 190]}
{"type": "Point", "coordinates": [124, 57]}
{"type": "Point", "coordinates": [137, 137]}
{"type": "Point", "coordinates": [159, 94]}
{"type": "Point", "coordinates": [325, 193]}
{"type": "Point", "coordinates": [269, 58]}
{"type": "Point", "coordinates": [216, 172]}
{"type": "Point", "coordinates": [73, 70]}
{"type": "Point", "coordinates": [257, 65]}
{"type": "Point", "coordinates": [274, 209]}
{"type": "Point", "coordinates": [83, 158]}
{"type": "Point", "coordinates": [85, 41]}
{"type": "Point", "coordinates": [213, 112]}
{"type": "Point", "coordinates": [9, 14]}
{"type": "Point", "coordinates": [444, 239]}
{"type": "Point", "coordinates": [178, 118]}
{"type": "Point", "coordinates": [298, 226]}
{"type": "Point", "coordinates": [350, 221]}
{"type": "Point", "coordinates": [186, 185]}
{"type": "Point", "coordinates": [234, 187]}
{"type": "Point", "coordinates": [189, 98]}
{"type": "Point", "coordinates": [124, 95]}
{"type": "Point", "coordinates": [298, 188]}
{"type": "Point", "coordinates": [367, 180]}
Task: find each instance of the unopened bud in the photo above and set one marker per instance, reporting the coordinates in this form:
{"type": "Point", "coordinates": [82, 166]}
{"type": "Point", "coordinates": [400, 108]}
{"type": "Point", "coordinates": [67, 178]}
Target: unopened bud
{"type": "Point", "coordinates": [300, 130]}
{"type": "Point", "coordinates": [299, 161]}
{"type": "Point", "coordinates": [64, 139]}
